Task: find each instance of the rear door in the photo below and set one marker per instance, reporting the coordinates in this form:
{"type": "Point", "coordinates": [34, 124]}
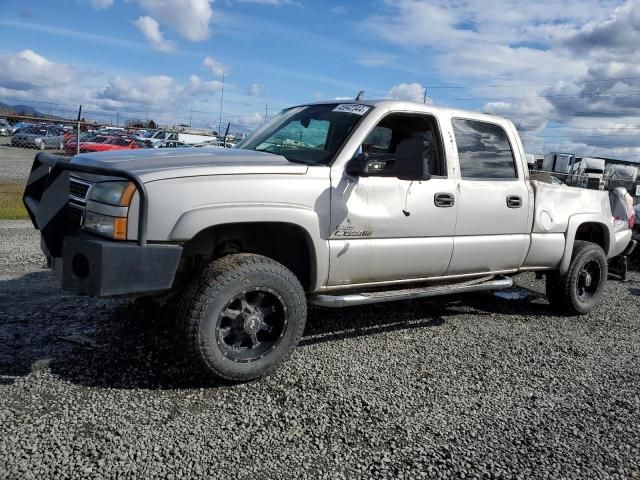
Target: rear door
{"type": "Point", "coordinates": [492, 232]}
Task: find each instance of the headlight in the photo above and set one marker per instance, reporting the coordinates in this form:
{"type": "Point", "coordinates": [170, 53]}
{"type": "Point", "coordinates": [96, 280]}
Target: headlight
{"type": "Point", "coordinates": [112, 227]}
{"type": "Point", "coordinates": [113, 193]}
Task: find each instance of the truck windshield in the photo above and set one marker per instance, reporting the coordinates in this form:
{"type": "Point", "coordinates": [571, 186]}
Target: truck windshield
{"type": "Point", "coordinates": [310, 134]}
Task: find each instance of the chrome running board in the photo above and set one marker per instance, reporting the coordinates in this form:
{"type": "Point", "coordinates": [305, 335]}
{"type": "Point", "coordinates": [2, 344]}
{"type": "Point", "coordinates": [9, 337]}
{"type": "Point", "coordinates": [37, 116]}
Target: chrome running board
{"type": "Point", "coordinates": [363, 298]}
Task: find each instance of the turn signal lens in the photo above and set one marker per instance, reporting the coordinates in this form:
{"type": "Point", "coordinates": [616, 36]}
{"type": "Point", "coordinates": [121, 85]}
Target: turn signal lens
{"type": "Point", "coordinates": [110, 227]}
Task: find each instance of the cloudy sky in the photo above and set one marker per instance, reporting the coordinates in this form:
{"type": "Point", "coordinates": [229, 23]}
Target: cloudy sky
{"type": "Point", "coordinates": [568, 73]}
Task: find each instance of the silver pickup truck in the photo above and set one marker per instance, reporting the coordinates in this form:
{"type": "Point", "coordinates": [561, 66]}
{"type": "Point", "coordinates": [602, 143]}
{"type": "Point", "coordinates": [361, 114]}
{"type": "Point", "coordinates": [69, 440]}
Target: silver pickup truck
{"type": "Point", "coordinates": [335, 204]}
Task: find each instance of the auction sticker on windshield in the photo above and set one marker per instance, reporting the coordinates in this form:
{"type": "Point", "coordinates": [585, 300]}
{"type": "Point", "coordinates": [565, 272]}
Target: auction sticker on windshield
{"type": "Point", "coordinates": [352, 108]}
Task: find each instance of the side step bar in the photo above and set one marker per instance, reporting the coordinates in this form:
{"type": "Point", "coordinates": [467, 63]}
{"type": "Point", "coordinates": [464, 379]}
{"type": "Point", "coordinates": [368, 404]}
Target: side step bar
{"type": "Point", "coordinates": [363, 298]}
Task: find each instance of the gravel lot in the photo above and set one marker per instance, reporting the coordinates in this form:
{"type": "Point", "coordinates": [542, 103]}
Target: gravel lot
{"type": "Point", "coordinates": [481, 386]}
{"type": "Point", "coordinates": [15, 163]}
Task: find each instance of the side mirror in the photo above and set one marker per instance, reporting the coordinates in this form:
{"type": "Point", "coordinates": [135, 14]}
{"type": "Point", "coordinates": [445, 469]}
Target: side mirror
{"type": "Point", "coordinates": [411, 163]}
{"type": "Point", "coordinates": [358, 166]}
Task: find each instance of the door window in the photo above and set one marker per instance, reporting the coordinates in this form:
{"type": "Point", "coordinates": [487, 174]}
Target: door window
{"type": "Point", "coordinates": [381, 143]}
{"type": "Point", "coordinates": [484, 151]}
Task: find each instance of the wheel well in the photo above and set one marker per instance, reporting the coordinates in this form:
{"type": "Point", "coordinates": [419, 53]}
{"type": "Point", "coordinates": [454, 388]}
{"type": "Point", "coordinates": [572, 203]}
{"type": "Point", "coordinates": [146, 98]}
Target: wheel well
{"type": "Point", "coordinates": [286, 243]}
{"type": "Point", "coordinates": [595, 233]}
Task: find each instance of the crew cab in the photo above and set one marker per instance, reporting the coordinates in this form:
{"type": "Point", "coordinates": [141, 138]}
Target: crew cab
{"type": "Point", "coordinates": [332, 203]}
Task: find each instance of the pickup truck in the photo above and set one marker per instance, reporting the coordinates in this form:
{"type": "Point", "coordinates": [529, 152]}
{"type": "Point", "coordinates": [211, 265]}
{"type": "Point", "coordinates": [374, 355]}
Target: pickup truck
{"type": "Point", "coordinates": [333, 204]}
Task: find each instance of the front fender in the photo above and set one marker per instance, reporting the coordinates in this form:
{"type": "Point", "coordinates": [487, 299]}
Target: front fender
{"type": "Point", "coordinates": [198, 219]}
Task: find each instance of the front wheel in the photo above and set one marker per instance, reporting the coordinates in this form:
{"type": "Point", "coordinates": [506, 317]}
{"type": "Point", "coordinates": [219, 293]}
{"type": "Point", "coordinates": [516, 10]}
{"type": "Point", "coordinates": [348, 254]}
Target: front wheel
{"type": "Point", "coordinates": [579, 290]}
{"type": "Point", "coordinates": [243, 316]}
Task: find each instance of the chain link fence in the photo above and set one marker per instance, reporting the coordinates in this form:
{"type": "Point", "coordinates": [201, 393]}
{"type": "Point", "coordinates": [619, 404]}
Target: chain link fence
{"type": "Point", "coordinates": [23, 136]}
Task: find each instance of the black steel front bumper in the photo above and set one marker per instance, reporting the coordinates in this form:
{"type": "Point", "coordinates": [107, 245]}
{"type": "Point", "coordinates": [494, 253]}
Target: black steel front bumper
{"type": "Point", "coordinates": [85, 263]}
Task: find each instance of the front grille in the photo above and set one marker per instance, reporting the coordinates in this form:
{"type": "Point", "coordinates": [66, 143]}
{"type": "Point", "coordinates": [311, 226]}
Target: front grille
{"type": "Point", "coordinates": [74, 214]}
{"type": "Point", "coordinates": [593, 183]}
{"type": "Point", "coordinates": [78, 190]}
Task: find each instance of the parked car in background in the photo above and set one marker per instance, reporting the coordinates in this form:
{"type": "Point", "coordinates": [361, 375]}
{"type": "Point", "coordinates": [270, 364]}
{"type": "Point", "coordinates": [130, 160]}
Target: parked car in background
{"type": "Point", "coordinates": [188, 138]}
{"type": "Point", "coordinates": [209, 143]}
{"type": "Point", "coordinates": [5, 128]}
{"type": "Point", "coordinates": [169, 144]}
{"type": "Point", "coordinates": [71, 145]}
{"type": "Point", "coordinates": [16, 127]}
{"type": "Point", "coordinates": [39, 137]}
{"type": "Point", "coordinates": [116, 143]}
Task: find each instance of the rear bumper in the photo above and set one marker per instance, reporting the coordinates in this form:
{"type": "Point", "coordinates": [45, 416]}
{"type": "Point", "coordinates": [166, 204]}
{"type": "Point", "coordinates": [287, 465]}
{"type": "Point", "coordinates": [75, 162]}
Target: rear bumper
{"type": "Point", "coordinates": [100, 267]}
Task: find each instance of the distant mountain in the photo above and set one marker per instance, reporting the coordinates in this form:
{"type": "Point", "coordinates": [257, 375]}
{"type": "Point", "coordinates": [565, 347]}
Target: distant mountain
{"type": "Point", "coordinates": [6, 109]}
{"type": "Point", "coordinates": [26, 110]}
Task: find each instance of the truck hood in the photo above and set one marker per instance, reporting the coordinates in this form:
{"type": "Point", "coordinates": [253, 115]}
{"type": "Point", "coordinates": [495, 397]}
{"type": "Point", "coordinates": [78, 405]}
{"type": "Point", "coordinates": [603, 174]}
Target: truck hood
{"type": "Point", "coordinates": [157, 164]}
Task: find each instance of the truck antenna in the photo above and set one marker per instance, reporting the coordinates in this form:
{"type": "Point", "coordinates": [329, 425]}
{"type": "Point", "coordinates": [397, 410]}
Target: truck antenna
{"type": "Point", "coordinates": [360, 95]}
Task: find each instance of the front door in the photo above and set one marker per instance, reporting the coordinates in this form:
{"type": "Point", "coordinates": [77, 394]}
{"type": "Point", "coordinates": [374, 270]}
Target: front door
{"type": "Point", "coordinates": [492, 231]}
{"type": "Point", "coordinates": [384, 229]}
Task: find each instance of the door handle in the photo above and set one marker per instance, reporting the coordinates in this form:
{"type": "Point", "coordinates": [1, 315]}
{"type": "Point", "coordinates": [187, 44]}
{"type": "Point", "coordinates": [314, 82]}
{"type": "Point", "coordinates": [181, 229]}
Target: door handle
{"type": "Point", "coordinates": [514, 201]}
{"type": "Point", "coordinates": [444, 200]}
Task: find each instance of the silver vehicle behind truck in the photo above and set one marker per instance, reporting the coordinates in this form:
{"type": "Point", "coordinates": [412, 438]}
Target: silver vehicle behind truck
{"type": "Point", "coordinates": [332, 203]}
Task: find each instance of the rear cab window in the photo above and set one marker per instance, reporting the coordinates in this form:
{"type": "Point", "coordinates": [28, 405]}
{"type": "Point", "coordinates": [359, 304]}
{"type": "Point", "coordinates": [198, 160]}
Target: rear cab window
{"type": "Point", "coordinates": [484, 151]}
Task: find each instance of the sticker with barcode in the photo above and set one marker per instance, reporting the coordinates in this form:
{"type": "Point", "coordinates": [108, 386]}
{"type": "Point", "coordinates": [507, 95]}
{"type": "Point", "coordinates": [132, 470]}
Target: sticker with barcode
{"type": "Point", "coordinates": [356, 108]}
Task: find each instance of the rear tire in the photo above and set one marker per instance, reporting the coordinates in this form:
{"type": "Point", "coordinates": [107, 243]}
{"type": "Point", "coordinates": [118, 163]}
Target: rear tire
{"type": "Point", "coordinates": [579, 290]}
{"type": "Point", "coordinates": [243, 316]}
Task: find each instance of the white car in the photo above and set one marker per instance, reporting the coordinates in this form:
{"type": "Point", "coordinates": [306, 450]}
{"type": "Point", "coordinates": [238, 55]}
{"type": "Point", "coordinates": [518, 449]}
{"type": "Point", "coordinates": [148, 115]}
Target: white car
{"type": "Point", "coordinates": [5, 128]}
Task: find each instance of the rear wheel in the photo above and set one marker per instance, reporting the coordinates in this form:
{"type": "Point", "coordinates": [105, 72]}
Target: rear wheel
{"type": "Point", "coordinates": [243, 316]}
{"type": "Point", "coordinates": [579, 290]}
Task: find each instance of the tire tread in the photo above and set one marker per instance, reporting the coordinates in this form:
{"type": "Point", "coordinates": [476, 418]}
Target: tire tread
{"type": "Point", "coordinates": [211, 281]}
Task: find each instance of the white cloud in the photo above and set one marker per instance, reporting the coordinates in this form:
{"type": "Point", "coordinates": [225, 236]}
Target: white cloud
{"type": "Point", "coordinates": [158, 92]}
{"type": "Point", "coordinates": [101, 4]}
{"type": "Point", "coordinates": [413, 92]}
{"type": "Point", "coordinates": [197, 86]}
{"type": "Point", "coordinates": [217, 68]}
{"type": "Point", "coordinates": [189, 18]}
{"type": "Point", "coordinates": [147, 90]}
{"type": "Point", "coordinates": [534, 62]}
{"type": "Point", "coordinates": [27, 70]}
{"type": "Point", "coordinates": [529, 114]}
{"type": "Point", "coordinates": [150, 28]}
{"type": "Point", "coordinates": [340, 99]}
{"type": "Point", "coordinates": [256, 89]}
{"type": "Point", "coordinates": [248, 121]}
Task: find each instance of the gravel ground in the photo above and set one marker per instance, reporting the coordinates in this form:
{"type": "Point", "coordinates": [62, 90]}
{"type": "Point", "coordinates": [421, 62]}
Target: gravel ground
{"type": "Point", "coordinates": [15, 163]}
{"type": "Point", "coordinates": [481, 386]}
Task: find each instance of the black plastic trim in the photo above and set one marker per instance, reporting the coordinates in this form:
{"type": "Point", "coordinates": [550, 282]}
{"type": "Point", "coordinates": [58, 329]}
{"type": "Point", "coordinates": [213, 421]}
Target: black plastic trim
{"type": "Point", "coordinates": [39, 180]}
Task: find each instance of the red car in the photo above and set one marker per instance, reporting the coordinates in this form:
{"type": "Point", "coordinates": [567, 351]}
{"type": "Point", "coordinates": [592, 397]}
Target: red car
{"type": "Point", "coordinates": [70, 145]}
{"type": "Point", "coordinates": [112, 144]}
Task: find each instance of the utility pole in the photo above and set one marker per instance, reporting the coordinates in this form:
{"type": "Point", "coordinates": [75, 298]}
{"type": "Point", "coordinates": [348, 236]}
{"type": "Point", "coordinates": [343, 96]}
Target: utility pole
{"type": "Point", "coordinates": [424, 100]}
{"type": "Point", "coordinates": [78, 132]}
{"type": "Point", "coordinates": [221, 100]}
{"type": "Point", "coordinates": [266, 112]}
{"type": "Point", "coordinates": [117, 119]}
{"type": "Point", "coordinates": [190, 113]}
